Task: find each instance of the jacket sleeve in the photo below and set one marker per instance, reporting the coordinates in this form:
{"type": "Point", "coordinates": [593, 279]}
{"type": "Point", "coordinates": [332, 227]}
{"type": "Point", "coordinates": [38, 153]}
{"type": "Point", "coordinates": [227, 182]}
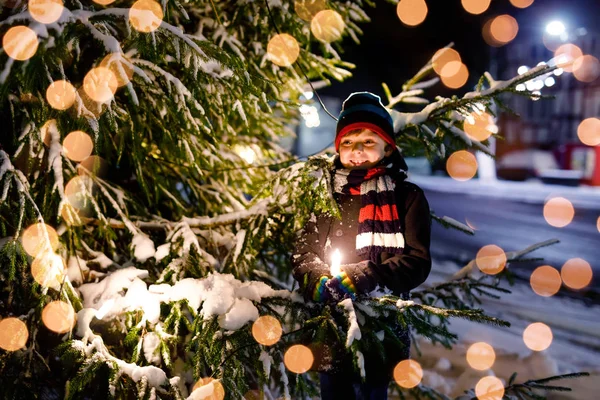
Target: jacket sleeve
{"type": "Point", "coordinates": [307, 266]}
{"type": "Point", "coordinates": [406, 271]}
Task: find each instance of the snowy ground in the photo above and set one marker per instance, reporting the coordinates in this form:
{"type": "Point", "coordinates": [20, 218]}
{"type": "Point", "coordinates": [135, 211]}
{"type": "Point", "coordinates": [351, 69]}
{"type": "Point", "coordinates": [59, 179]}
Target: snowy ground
{"type": "Point", "coordinates": [575, 346]}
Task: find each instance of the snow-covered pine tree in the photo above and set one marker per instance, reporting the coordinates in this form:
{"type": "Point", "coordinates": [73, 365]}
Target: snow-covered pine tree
{"type": "Point", "coordinates": [147, 209]}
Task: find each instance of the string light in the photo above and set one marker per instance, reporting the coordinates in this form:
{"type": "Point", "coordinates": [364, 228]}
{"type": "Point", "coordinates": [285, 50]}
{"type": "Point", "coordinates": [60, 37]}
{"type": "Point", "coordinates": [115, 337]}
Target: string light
{"type": "Point", "coordinates": [100, 84]}
{"type": "Point", "coordinates": [119, 66]}
{"type": "Point", "coordinates": [489, 388]}
{"type": "Point", "coordinates": [267, 330]}
{"type": "Point", "coordinates": [218, 392]}
{"type": "Point", "coordinates": [13, 334]}
{"type": "Point", "coordinates": [412, 12]}
{"type": "Point", "coordinates": [490, 259]}
{"type": "Point", "coordinates": [537, 336]}
{"type": "Point", "coordinates": [58, 316]}
{"type": "Point", "coordinates": [504, 29]}
{"type": "Point", "coordinates": [461, 165]}
{"type": "Point", "coordinates": [60, 95]}
{"type": "Point", "coordinates": [327, 26]}
{"type": "Point", "coordinates": [481, 356]}
{"type": "Point", "coordinates": [78, 146]}
{"type": "Point", "coordinates": [576, 273]}
{"type": "Point", "coordinates": [283, 50]}
{"type": "Point", "coordinates": [442, 57]}
{"type": "Point", "coordinates": [408, 373]}
{"type": "Point", "coordinates": [298, 358]}
{"type": "Point", "coordinates": [558, 212]}
{"type": "Point", "coordinates": [475, 7]}
{"type": "Point", "coordinates": [545, 281]}
{"type": "Point", "coordinates": [146, 15]}
{"type": "Point", "coordinates": [34, 239]}
{"type": "Point", "coordinates": [307, 9]}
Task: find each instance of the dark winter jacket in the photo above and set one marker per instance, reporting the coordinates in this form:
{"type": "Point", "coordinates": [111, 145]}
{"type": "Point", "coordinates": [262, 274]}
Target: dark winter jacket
{"type": "Point", "coordinates": [398, 272]}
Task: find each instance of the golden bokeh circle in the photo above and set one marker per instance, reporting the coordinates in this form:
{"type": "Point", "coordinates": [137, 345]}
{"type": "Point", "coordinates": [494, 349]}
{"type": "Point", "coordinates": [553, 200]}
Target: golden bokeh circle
{"type": "Point", "coordinates": [13, 334]}
{"type": "Point", "coordinates": [78, 146]}
{"type": "Point", "coordinates": [78, 192]}
{"type": "Point", "coordinates": [48, 270]}
{"type": "Point", "coordinates": [454, 74]}
{"type": "Point", "coordinates": [586, 68]}
{"type": "Point", "coordinates": [60, 95]}
{"type": "Point", "coordinates": [93, 165]}
{"type": "Point", "coordinates": [120, 66]}
{"type": "Point", "coordinates": [442, 57]}
{"type": "Point", "coordinates": [486, 32]}
{"type": "Point", "coordinates": [490, 259]}
{"type": "Point", "coordinates": [489, 388]}
{"type": "Point", "coordinates": [267, 330]}
{"type": "Point", "coordinates": [475, 7]}
{"type": "Point", "coordinates": [20, 42]}
{"type": "Point", "coordinates": [104, 2]}
{"type": "Point", "coordinates": [100, 84]}
{"type": "Point", "coordinates": [412, 12]}
{"type": "Point", "coordinates": [307, 9]}
{"type": "Point", "coordinates": [283, 50]}
{"type": "Point", "coordinates": [408, 373]}
{"type": "Point", "coordinates": [70, 214]}
{"type": "Point", "coordinates": [576, 273]}
{"type": "Point", "coordinates": [218, 389]}
{"type": "Point", "coordinates": [327, 26]}
{"type": "Point", "coordinates": [558, 212]}
{"type": "Point", "coordinates": [461, 165]}
{"type": "Point", "coordinates": [481, 356]}
{"type": "Point", "coordinates": [504, 28]}
{"type": "Point", "coordinates": [58, 316]}
{"type": "Point", "coordinates": [480, 128]}
{"type": "Point", "coordinates": [566, 55]}
{"type": "Point", "coordinates": [545, 281]}
{"type": "Point", "coordinates": [588, 131]}
{"type": "Point", "coordinates": [146, 15]}
{"type": "Point", "coordinates": [298, 358]}
{"type": "Point", "coordinates": [34, 241]}
{"type": "Point", "coordinates": [537, 336]}
{"type": "Point", "coordinates": [521, 3]}
{"type": "Point", "coordinates": [45, 11]}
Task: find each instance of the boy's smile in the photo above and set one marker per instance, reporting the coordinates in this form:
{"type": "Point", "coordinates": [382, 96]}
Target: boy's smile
{"type": "Point", "coordinates": [362, 149]}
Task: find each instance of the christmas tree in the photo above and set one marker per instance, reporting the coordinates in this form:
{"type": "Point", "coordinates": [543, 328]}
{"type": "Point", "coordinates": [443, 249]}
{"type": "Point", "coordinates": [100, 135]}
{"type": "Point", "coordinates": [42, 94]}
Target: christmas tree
{"type": "Point", "coordinates": [148, 208]}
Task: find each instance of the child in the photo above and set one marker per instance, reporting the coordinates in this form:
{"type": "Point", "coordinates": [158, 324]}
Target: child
{"type": "Point", "coordinates": [383, 238]}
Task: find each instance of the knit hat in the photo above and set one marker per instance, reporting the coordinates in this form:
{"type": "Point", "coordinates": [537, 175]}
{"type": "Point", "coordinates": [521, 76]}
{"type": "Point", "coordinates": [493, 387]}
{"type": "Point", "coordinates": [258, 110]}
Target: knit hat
{"type": "Point", "coordinates": [363, 110]}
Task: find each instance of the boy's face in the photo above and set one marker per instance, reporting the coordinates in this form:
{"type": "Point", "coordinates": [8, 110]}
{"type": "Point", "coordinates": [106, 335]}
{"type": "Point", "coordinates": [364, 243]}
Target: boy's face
{"type": "Point", "coordinates": [363, 149]}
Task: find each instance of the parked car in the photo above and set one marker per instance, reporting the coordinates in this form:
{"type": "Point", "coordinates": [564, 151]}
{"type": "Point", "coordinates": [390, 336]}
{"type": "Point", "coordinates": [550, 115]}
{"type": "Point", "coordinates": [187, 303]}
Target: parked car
{"type": "Point", "coordinates": [520, 165]}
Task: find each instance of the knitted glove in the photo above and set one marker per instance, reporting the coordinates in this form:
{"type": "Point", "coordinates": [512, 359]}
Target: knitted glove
{"type": "Point", "coordinates": [340, 287]}
{"type": "Point", "coordinates": [320, 292]}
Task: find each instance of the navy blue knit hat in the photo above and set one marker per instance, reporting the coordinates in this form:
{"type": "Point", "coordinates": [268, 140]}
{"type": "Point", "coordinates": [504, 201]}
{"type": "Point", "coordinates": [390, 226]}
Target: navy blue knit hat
{"type": "Point", "coordinates": [363, 110]}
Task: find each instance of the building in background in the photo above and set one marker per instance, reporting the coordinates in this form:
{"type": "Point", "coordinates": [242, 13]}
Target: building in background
{"type": "Point", "coordinates": [549, 126]}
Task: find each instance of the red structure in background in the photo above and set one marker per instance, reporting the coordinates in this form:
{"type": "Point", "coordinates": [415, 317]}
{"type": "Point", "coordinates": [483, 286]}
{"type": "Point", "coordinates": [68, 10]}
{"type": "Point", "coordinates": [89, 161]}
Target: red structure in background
{"type": "Point", "coordinates": [579, 157]}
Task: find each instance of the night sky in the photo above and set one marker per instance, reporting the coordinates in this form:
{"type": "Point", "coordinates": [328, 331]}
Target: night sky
{"type": "Point", "coordinates": [391, 52]}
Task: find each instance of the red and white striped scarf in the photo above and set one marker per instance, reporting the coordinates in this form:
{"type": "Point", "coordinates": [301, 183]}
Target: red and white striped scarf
{"type": "Point", "coordinates": [379, 226]}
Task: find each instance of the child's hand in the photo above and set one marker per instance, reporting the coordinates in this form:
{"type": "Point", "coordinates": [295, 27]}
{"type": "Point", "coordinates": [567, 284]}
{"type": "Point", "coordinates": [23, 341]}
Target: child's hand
{"type": "Point", "coordinates": [340, 287]}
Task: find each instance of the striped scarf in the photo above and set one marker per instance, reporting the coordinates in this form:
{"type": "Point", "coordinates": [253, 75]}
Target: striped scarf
{"type": "Point", "coordinates": [379, 226]}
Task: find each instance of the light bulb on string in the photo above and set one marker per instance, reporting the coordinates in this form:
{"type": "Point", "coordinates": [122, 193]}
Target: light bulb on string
{"type": "Point", "coordinates": [327, 26]}
{"type": "Point", "coordinates": [146, 15]}
{"type": "Point", "coordinates": [283, 50]}
{"type": "Point", "coordinates": [60, 94]}
{"type": "Point", "coordinates": [45, 11]}
{"type": "Point", "coordinates": [20, 43]}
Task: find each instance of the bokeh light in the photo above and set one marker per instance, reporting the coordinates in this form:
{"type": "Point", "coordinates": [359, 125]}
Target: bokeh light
{"type": "Point", "coordinates": [588, 131]}
{"type": "Point", "coordinates": [45, 11]}
{"type": "Point", "coordinates": [479, 126]}
{"type": "Point", "coordinates": [145, 15]}
{"type": "Point", "coordinates": [34, 239]}
{"type": "Point", "coordinates": [60, 95]}
{"type": "Point", "coordinates": [545, 281]}
{"type": "Point", "coordinates": [78, 146]}
{"type": "Point", "coordinates": [70, 214]}
{"type": "Point", "coordinates": [598, 224]}
{"type": "Point", "coordinates": [78, 192]}
{"type": "Point", "coordinates": [298, 358]}
{"type": "Point", "coordinates": [489, 388]}
{"type": "Point", "coordinates": [454, 74]}
{"type": "Point", "coordinates": [58, 316]}
{"type": "Point", "coordinates": [267, 330]}
{"type": "Point", "coordinates": [490, 259]}
{"type": "Point", "coordinates": [100, 84]}
{"type": "Point", "coordinates": [247, 153]}
{"type": "Point", "coordinates": [537, 336]}
{"type": "Point", "coordinates": [412, 12]}
{"type": "Point", "coordinates": [104, 2]}
{"type": "Point", "coordinates": [442, 57]}
{"type": "Point", "coordinates": [120, 66]}
{"type": "Point", "coordinates": [576, 273]}
{"type": "Point", "coordinates": [13, 334]}
{"type": "Point", "coordinates": [521, 3]}
{"type": "Point", "coordinates": [504, 29]}
{"type": "Point", "coordinates": [327, 26]}
{"type": "Point", "coordinates": [461, 165]}
{"type": "Point", "coordinates": [566, 55]}
{"type": "Point", "coordinates": [307, 9]}
{"type": "Point", "coordinates": [481, 356]}
{"type": "Point", "coordinates": [283, 50]}
{"type": "Point", "coordinates": [475, 6]}
{"type": "Point", "coordinates": [94, 165]}
{"type": "Point", "coordinates": [558, 212]}
{"type": "Point", "coordinates": [20, 43]}
{"type": "Point", "coordinates": [218, 392]}
{"type": "Point", "coordinates": [586, 68]}
{"type": "Point", "coordinates": [48, 270]}
{"type": "Point", "coordinates": [408, 373]}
